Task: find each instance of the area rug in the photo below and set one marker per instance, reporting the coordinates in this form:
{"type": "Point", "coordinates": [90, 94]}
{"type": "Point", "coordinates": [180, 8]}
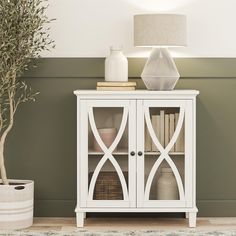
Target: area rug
{"type": "Point", "coordinates": [120, 233]}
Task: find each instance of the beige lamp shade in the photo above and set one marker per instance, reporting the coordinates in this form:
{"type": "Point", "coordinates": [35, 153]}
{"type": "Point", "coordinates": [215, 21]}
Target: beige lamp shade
{"type": "Point", "coordinates": [152, 30]}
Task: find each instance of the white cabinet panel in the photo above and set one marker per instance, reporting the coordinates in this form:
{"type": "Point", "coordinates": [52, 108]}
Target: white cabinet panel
{"type": "Point", "coordinates": [107, 173]}
{"type": "Point", "coordinates": [164, 154]}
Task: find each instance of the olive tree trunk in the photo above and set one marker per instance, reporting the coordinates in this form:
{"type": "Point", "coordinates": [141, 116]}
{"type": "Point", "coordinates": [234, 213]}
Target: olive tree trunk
{"type": "Point", "coordinates": [2, 165]}
{"type": "Point", "coordinates": [5, 133]}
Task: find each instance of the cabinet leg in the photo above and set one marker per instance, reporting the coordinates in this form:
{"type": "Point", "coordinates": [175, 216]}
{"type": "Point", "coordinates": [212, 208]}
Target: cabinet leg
{"type": "Point", "coordinates": [186, 215]}
{"type": "Point", "coordinates": [84, 215]}
{"type": "Point", "coordinates": [192, 219]}
{"type": "Point", "coordinates": [80, 219]}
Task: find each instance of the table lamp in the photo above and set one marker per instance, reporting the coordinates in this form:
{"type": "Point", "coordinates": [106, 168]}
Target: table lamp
{"type": "Point", "coordinates": [160, 31]}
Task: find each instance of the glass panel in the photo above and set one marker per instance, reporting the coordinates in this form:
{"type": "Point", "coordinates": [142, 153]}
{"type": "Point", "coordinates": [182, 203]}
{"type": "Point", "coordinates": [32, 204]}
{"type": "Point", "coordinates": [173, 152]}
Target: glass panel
{"type": "Point", "coordinates": [114, 171]}
{"type": "Point", "coordinates": [108, 184]}
{"type": "Point", "coordinates": [108, 121]}
{"type": "Point", "coordinates": [164, 121]}
{"type": "Point", "coordinates": [164, 182]}
{"type": "Point", "coordinates": [159, 172]}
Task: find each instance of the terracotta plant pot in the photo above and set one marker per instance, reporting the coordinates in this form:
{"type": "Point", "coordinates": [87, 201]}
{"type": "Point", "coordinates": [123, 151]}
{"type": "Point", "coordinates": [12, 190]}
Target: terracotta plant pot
{"type": "Point", "coordinates": [16, 204]}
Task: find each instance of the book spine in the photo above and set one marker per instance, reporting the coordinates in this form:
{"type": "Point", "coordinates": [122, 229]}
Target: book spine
{"type": "Point", "coordinates": [167, 128]}
{"type": "Point", "coordinates": [172, 129]}
{"type": "Point", "coordinates": [159, 128]}
{"type": "Point", "coordinates": [162, 128]}
{"type": "Point", "coordinates": [148, 140]}
{"type": "Point", "coordinates": [116, 84]}
{"type": "Point", "coordinates": [155, 126]}
{"type": "Point", "coordinates": [115, 88]}
{"type": "Point", "coordinates": [179, 145]}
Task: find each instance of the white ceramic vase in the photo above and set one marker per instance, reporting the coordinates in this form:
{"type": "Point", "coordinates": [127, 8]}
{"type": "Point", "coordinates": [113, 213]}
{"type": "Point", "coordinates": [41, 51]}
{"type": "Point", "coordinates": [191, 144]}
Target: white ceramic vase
{"type": "Point", "coordinates": [116, 66]}
{"type": "Point", "coordinates": [167, 188]}
{"type": "Point", "coordinates": [16, 204]}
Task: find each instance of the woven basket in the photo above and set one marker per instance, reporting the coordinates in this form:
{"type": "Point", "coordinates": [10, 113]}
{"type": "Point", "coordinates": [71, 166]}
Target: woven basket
{"type": "Point", "coordinates": [108, 186]}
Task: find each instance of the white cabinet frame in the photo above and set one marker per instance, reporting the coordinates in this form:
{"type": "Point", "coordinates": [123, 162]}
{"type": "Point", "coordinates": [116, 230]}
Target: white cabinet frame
{"type": "Point", "coordinates": [136, 106]}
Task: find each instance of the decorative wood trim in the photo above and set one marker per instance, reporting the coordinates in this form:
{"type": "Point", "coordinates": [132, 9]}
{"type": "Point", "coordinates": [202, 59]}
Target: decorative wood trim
{"type": "Point", "coordinates": [65, 208]}
{"type": "Point", "coordinates": [190, 152]}
{"type": "Point", "coordinates": [94, 68]}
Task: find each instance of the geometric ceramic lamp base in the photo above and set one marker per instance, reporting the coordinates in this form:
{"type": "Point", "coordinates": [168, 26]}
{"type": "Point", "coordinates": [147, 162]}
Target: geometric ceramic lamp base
{"type": "Point", "coordinates": [160, 71]}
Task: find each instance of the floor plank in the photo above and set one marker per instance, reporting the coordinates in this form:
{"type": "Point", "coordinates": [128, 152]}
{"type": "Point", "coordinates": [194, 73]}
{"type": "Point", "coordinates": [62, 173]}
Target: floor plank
{"type": "Point", "coordinates": [68, 224]}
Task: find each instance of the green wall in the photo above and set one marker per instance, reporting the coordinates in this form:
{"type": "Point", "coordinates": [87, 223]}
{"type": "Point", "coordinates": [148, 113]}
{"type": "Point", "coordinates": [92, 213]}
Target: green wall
{"type": "Point", "coordinates": [42, 145]}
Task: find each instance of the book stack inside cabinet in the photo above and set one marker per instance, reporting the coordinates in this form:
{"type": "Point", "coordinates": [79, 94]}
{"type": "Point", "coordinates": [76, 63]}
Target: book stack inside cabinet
{"type": "Point", "coordinates": [164, 124]}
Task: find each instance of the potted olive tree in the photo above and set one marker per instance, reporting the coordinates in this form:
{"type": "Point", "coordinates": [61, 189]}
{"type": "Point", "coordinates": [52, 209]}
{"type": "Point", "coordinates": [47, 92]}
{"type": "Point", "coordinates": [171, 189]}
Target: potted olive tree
{"type": "Point", "coordinates": [23, 36]}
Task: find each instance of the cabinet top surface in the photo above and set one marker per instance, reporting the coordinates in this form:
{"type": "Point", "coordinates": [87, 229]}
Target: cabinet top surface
{"type": "Point", "coordinates": [138, 93]}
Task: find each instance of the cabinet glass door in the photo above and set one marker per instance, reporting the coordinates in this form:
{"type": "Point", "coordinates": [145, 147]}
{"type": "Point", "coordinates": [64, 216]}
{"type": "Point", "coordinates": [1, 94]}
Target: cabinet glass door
{"type": "Point", "coordinates": [107, 139]}
{"type": "Point", "coordinates": [164, 145]}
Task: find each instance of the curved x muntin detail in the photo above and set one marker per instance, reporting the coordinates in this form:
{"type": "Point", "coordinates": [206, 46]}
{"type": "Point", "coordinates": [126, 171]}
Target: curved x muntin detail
{"type": "Point", "coordinates": [164, 153]}
{"type": "Point", "coordinates": [108, 153]}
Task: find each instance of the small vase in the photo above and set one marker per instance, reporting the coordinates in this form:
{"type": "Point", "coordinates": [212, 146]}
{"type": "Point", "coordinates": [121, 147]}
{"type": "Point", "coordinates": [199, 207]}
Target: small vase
{"type": "Point", "coordinates": [116, 66]}
{"type": "Point", "coordinates": [108, 136]}
{"type": "Point", "coordinates": [167, 188]}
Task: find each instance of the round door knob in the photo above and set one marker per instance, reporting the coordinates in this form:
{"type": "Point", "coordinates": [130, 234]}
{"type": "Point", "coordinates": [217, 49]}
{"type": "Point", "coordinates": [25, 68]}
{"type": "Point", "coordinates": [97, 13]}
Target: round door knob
{"type": "Point", "coordinates": [132, 153]}
{"type": "Point", "coordinates": [140, 153]}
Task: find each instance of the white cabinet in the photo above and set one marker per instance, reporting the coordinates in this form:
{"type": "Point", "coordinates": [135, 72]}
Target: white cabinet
{"type": "Point", "coordinates": [154, 130]}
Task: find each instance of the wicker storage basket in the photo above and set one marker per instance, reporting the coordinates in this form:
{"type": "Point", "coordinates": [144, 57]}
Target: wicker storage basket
{"type": "Point", "coordinates": [108, 186]}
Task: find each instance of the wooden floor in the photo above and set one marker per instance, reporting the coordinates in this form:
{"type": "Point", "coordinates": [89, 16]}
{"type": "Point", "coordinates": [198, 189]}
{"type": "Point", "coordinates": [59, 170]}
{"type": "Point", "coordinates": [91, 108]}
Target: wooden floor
{"type": "Point", "coordinates": [68, 224]}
